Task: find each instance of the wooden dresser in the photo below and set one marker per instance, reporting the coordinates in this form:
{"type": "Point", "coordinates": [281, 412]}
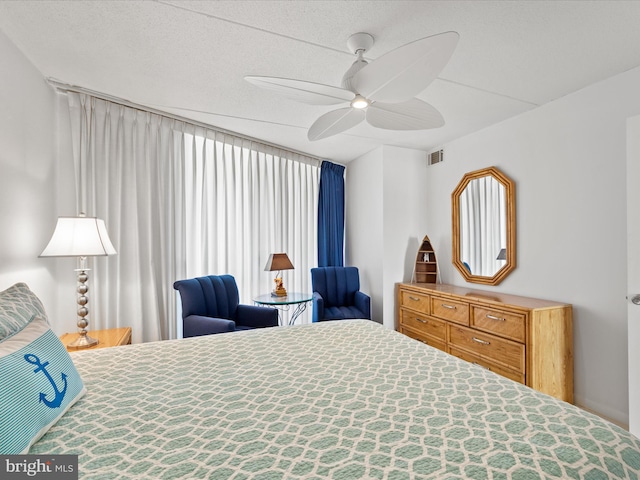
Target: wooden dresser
{"type": "Point", "coordinates": [525, 339]}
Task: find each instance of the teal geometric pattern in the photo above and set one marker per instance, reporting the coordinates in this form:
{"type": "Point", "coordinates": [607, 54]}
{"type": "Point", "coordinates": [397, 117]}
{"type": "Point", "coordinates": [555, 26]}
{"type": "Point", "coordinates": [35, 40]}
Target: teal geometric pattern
{"type": "Point", "coordinates": [335, 400]}
{"type": "Point", "coordinates": [18, 305]}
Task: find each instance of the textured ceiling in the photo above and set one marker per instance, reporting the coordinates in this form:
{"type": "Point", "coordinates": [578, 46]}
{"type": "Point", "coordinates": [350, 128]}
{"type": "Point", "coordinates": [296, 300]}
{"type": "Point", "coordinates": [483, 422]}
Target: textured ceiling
{"type": "Point", "coordinates": [190, 57]}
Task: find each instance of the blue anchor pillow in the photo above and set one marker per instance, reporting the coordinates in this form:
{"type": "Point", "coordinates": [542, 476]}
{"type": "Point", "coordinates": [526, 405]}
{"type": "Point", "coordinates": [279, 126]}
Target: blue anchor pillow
{"type": "Point", "coordinates": [38, 384]}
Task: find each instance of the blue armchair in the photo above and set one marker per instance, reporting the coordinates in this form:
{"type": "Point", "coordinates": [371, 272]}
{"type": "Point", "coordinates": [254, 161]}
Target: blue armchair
{"type": "Point", "coordinates": [211, 305]}
{"type": "Point", "coordinates": [337, 295]}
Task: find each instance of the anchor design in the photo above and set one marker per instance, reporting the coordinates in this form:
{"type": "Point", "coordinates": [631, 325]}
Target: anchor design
{"type": "Point", "coordinates": [55, 403]}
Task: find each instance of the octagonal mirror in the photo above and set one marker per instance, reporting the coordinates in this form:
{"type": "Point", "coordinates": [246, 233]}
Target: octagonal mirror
{"type": "Point", "coordinates": [484, 233]}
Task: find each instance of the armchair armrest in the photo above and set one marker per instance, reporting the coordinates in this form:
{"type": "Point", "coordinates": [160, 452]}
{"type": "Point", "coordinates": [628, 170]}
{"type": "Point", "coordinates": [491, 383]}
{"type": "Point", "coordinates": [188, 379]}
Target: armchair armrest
{"type": "Point", "coordinates": [318, 307]}
{"type": "Point", "coordinates": [196, 325]}
{"type": "Point", "coordinates": [256, 317]}
{"type": "Point", "coordinates": [362, 301]}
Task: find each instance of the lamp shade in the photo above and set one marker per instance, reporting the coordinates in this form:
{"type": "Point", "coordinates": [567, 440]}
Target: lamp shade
{"type": "Point", "coordinates": [502, 254]}
{"type": "Point", "coordinates": [79, 237]}
{"type": "Point", "coordinates": [277, 262]}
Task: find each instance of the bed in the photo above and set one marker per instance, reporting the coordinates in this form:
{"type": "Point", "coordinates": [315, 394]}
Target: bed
{"type": "Point", "coordinates": [335, 400]}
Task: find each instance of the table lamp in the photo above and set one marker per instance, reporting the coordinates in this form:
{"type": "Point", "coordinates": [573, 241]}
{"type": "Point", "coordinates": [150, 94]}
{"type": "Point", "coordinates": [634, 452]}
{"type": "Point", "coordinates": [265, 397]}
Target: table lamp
{"type": "Point", "coordinates": [278, 262]}
{"type": "Point", "coordinates": [80, 237]}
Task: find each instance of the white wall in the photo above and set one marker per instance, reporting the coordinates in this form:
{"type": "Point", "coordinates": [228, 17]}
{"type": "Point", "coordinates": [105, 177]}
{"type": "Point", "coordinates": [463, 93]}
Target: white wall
{"type": "Point", "coordinates": [568, 159]}
{"type": "Point", "coordinates": [27, 176]}
{"type": "Point", "coordinates": [405, 215]}
{"type": "Point", "coordinates": [364, 224]}
{"type": "Point", "coordinates": [633, 270]}
{"type": "Point", "coordinates": [386, 220]}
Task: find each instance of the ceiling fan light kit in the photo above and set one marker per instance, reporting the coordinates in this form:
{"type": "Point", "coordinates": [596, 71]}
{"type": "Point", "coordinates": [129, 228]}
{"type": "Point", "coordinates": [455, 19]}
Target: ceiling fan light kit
{"type": "Point", "coordinates": [381, 92]}
{"type": "Point", "coordinates": [360, 102]}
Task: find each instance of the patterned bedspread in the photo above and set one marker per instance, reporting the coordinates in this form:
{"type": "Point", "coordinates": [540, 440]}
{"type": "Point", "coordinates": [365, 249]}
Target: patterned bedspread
{"type": "Point", "coordinates": [336, 400]}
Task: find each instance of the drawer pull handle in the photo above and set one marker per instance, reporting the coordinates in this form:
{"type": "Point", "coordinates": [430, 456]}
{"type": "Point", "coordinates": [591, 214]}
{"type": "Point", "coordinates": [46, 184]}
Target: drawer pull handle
{"type": "Point", "coordinates": [477, 340]}
{"type": "Point", "coordinates": [415, 299]}
{"type": "Point", "coordinates": [450, 307]}
{"type": "Point", "coordinates": [481, 366]}
{"type": "Point", "coordinates": [492, 317]}
{"type": "Point", "coordinates": [423, 341]}
{"type": "Point", "coordinates": [421, 320]}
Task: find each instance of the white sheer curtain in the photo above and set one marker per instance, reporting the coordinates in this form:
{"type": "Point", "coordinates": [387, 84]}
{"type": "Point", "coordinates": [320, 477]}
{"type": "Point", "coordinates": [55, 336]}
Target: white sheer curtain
{"type": "Point", "coordinates": [247, 200]}
{"type": "Point", "coordinates": [483, 225]}
{"type": "Point", "coordinates": [129, 172]}
{"type": "Point", "coordinates": [181, 201]}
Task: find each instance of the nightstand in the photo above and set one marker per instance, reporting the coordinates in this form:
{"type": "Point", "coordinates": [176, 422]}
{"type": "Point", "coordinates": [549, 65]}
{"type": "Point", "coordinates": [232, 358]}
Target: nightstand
{"type": "Point", "coordinates": [112, 337]}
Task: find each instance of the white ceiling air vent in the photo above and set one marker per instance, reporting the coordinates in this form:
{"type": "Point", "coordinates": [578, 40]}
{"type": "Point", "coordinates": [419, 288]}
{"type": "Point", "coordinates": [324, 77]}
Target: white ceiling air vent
{"type": "Point", "coordinates": [435, 157]}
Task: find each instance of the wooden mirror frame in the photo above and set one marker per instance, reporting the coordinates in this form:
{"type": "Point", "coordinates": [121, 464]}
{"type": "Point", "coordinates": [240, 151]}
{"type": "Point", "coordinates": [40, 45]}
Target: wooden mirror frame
{"type": "Point", "coordinates": [509, 187]}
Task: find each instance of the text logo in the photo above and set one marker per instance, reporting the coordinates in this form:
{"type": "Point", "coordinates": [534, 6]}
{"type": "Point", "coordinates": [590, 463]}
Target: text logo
{"type": "Point", "coordinates": [51, 467]}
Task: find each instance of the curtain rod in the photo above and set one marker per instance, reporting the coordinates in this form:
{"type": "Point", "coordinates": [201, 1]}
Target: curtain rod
{"type": "Point", "coordinates": [65, 87]}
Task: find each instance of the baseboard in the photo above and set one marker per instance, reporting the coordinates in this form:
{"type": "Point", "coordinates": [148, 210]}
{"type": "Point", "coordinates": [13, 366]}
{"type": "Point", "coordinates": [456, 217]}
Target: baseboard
{"type": "Point", "coordinates": [615, 422]}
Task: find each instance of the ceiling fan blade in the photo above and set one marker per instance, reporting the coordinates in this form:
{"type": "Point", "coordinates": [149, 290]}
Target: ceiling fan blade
{"type": "Point", "coordinates": [301, 91]}
{"type": "Point", "coordinates": [335, 122]}
{"type": "Point", "coordinates": [406, 71]}
{"type": "Point", "coordinates": [411, 115]}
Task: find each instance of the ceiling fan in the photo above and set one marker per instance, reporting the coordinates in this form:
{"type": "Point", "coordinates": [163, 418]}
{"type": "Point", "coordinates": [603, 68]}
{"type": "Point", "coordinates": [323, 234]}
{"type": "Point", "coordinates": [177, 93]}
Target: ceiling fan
{"type": "Point", "coordinates": [382, 92]}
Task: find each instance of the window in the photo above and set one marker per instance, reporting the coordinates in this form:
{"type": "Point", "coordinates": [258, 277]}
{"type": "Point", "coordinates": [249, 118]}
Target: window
{"type": "Point", "coordinates": [244, 201]}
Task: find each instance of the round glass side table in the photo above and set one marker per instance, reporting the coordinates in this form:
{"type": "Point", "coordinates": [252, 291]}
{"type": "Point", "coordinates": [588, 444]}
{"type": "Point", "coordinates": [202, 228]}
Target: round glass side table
{"type": "Point", "coordinates": [295, 302]}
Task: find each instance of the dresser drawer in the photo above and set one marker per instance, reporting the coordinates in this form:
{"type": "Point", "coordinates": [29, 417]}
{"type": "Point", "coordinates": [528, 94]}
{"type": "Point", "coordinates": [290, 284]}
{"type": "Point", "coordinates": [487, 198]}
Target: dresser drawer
{"type": "Point", "coordinates": [415, 301]}
{"type": "Point", "coordinates": [506, 324]}
{"type": "Point", "coordinates": [495, 349]}
{"type": "Point", "coordinates": [450, 310]}
{"type": "Point", "coordinates": [426, 339]}
{"type": "Point", "coordinates": [422, 323]}
{"type": "Point", "coordinates": [484, 363]}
